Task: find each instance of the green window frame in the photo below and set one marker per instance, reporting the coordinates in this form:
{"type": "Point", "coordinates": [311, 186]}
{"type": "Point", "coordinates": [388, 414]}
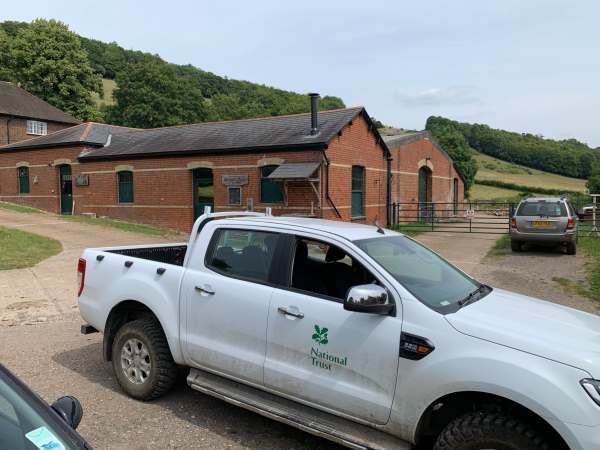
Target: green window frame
{"type": "Point", "coordinates": [358, 191]}
{"type": "Point", "coordinates": [125, 186]}
{"type": "Point", "coordinates": [270, 191]}
{"type": "Point", "coordinates": [23, 176]}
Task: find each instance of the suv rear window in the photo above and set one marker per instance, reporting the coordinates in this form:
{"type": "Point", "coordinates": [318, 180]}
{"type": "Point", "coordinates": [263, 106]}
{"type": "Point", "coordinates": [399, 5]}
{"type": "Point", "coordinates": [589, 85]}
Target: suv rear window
{"type": "Point", "coordinates": [542, 208]}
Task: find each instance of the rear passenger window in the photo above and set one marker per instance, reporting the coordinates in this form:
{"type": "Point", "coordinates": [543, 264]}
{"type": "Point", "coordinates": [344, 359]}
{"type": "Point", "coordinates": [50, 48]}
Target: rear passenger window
{"type": "Point", "coordinates": [324, 269]}
{"type": "Point", "coordinates": [243, 253]}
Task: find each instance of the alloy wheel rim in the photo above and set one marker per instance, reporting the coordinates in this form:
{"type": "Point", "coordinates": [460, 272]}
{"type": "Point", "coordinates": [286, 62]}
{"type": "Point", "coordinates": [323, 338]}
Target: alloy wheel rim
{"type": "Point", "coordinates": [135, 361]}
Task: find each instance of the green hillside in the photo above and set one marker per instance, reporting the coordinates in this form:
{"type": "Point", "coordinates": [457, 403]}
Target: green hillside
{"type": "Point", "coordinates": [202, 95]}
{"type": "Point", "coordinates": [567, 157]}
{"type": "Point", "coordinates": [530, 181]}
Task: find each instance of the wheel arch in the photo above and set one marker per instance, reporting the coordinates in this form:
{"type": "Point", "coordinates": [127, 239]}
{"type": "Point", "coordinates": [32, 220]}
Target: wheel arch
{"type": "Point", "coordinates": [445, 409]}
{"type": "Point", "coordinates": [122, 313]}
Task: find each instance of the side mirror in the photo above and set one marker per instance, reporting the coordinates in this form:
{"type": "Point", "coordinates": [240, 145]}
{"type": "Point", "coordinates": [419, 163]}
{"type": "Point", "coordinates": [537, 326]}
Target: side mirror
{"type": "Point", "coordinates": [368, 298]}
{"type": "Point", "coordinates": [70, 409]}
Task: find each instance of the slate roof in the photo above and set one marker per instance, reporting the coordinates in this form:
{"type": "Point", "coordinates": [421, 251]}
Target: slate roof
{"type": "Point", "coordinates": [278, 132]}
{"type": "Point", "coordinates": [89, 133]}
{"type": "Point", "coordinates": [399, 140]}
{"type": "Point", "coordinates": [17, 102]}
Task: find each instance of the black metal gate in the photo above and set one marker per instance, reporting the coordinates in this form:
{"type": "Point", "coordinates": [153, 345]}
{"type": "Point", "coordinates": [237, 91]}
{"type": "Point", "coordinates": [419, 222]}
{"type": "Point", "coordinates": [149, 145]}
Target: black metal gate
{"type": "Point", "coordinates": [451, 217]}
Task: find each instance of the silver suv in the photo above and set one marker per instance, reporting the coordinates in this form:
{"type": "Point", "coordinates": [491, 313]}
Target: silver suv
{"type": "Point", "coordinates": [544, 220]}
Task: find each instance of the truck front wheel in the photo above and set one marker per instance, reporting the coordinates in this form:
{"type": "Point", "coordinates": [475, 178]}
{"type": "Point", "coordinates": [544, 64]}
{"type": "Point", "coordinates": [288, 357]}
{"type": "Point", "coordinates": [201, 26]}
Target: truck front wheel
{"type": "Point", "coordinates": [481, 430]}
{"type": "Point", "coordinates": [142, 361]}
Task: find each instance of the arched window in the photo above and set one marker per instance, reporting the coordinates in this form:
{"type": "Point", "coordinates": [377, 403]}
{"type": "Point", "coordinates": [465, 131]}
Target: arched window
{"type": "Point", "coordinates": [270, 191]}
{"type": "Point", "coordinates": [358, 191]}
{"type": "Point", "coordinates": [125, 186]}
{"type": "Point", "coordinates": [23, 176]}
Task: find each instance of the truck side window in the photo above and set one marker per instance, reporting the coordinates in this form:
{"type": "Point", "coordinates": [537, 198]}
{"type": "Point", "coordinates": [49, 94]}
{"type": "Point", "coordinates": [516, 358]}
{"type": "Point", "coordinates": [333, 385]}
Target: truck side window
{"type": "Point", "coordinates": [243, 253]}
{"type": "Point", "coordinates": [325, 269]}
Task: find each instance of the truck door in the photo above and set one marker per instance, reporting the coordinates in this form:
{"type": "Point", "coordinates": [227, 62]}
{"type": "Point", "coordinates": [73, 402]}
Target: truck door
{"type": "Point", "coordinates": [320, 353]}
{"type": "Point", "coordinates": [226, 297]}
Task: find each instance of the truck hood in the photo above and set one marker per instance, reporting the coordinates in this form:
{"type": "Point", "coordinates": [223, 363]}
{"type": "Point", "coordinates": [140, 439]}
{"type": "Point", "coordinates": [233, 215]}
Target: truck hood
{"type": "Point", "coordinates": [545, 329]}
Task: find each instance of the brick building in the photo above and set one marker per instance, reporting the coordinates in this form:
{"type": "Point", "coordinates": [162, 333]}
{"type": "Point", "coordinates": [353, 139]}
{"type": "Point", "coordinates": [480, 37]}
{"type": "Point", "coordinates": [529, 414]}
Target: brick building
{"type": "Point", "coordinates": [331, 164]}
{"type": "Point", "coordinates": [24, 116]}
{"type": "Point", "coordinates": [423, 173]}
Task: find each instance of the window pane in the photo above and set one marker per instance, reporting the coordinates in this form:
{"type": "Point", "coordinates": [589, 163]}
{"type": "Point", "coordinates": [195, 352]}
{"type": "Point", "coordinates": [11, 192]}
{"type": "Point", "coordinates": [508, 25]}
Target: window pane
{"type": "Point", "coordinates": [325, 269]}
{"type": "Point", "coordinates": [243, 253]}
{"type": "Point", "coordinates": [235, 196]}
{"type": "Point", "coordinates": [270, 191]}
{"type": "Point", "coordinates": [358, 184]}
{"type": "Point", "coordinates": [125, 185]}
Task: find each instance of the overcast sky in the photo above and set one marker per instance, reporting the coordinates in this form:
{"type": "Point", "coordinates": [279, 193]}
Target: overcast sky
{"type": "Point", "coordinates": [522, 65]}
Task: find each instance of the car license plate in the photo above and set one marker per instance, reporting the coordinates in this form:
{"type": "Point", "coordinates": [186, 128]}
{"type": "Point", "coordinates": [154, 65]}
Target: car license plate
{"type": "Point", "coordinates": [541, 224]}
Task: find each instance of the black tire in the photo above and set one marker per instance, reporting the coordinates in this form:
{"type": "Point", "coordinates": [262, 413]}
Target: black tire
{"type": "Point", "coordinates": [162, 374]}
{"type": "Point", "coordinates": [481, 430]}
{"type": "Point", "coordinates": [571, 248]}
{"type": "Point", "coordinates": [516, 246]}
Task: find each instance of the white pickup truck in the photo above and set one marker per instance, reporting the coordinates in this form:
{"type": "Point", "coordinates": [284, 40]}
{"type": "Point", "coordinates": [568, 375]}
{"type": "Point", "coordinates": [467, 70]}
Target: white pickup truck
{"type": "Point", "coordinates": [351, 332]}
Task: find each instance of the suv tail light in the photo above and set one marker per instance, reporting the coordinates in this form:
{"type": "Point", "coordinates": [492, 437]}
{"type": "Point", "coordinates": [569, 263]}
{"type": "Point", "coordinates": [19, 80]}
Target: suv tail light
{"type": "Point", "coordinates": [80, 275]}
{"type": "Point", "coordinates": [571, 223]}
{"type": "Point", "coordinates": [513, 222]}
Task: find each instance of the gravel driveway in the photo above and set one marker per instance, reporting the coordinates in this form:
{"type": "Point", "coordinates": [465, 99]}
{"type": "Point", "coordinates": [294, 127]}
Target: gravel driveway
{"type": "Point", "coordinates": [39, 332]}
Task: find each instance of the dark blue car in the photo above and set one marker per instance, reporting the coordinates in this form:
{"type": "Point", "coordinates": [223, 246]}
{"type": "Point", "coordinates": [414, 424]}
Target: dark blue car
{"type": "Point", "coordinates": [28, 423]}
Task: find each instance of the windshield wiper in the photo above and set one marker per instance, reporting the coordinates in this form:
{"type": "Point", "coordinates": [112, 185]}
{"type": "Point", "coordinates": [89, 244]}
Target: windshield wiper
{"type": "Point", "coordinates": [471, 297]}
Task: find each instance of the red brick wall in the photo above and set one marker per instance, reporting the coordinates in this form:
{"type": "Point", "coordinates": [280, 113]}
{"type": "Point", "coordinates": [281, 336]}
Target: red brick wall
{"type": "Point", "coordinates": [357, 145]}
{"type": "Point", "coordinates": [17, 129]}
{"type": "Point", "coordinates": [162, 186]}
{"type": "Point", "coordinates": [408, 159]}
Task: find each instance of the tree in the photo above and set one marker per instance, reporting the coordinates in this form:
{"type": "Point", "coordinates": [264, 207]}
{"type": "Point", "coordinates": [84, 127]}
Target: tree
{"type": "Point", "coordinates": [457, 147]}
{"type": "Point", "coordinates": [47, 59]}
{"type": "Point", "coordinates": [151, 94]}
{"type": "Point", "coordinates": [593, 182]}
{"type": "Point", "coordinates": [5, 73]}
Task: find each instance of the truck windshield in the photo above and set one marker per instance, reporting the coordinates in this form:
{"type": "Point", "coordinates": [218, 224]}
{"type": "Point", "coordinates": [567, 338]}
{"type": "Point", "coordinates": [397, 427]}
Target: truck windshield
{"type": "Point", "coordinates": [424, 274]}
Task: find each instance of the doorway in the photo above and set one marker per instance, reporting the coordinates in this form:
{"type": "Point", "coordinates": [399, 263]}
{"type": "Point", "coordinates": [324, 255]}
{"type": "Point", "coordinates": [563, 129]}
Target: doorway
{"type": "Point", "coordinates": [203, 189]}
{"type": "Point", "coordinates": [425, 194]}
{"type": "Point", "coordinates": [66, 189]}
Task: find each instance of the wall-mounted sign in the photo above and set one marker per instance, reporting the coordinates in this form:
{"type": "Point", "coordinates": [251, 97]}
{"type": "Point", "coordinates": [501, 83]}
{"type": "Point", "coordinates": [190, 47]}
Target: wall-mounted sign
{"type": "Point", "coordinates": [82, 180]}
{"type": "Point", "coordinates": [234, 180]}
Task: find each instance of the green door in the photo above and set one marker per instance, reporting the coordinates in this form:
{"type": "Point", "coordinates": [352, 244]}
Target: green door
{"type": "Point", "coordinates": [203, 190]}
{"type": "Point", "coordinates": [66, 189]}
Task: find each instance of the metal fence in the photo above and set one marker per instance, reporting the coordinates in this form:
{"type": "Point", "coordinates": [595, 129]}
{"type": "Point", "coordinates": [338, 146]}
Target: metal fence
{"type": "Point", "coordinates": [464, 217]}
{"type": "Point", "coordinates": [475, 217]}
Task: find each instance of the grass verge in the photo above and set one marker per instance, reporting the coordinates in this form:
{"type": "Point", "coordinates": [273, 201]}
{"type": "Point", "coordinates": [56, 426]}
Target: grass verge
{"type": "Point", "coordinates": [19, 208]}
{"type": "Point", "coordinates": [411, 229]}
{"type": "Point", "coordinates": [21, 249]}
{"type": "Point", "coordinates": [501, 247]}
{"type": "Point", "coordinates": [121, 225]}
{"type": "Point", "coordinates": [591, 248]}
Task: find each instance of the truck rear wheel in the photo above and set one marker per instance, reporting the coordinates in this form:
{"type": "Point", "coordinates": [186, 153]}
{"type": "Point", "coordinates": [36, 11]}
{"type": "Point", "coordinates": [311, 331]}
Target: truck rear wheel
{"type": "Point", "coordinates": [481, 430]}
{"type": "Point", "coordinates": [142, 361]}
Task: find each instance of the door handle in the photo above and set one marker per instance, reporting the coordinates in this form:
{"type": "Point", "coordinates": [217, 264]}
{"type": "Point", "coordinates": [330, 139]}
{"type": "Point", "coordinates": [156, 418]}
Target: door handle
{"type": "Point", "coordinates": [204, 290]}
{"type": "Point", "coordinates": [288, 312]}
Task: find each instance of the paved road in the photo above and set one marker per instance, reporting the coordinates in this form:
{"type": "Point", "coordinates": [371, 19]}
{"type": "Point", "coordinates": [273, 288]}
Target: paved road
{"type": "Point", "coordinates": [40, 341]}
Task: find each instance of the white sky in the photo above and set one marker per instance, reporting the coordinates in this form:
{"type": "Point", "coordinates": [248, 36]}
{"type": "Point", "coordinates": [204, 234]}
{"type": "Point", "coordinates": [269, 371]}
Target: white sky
{"type": "Point", "coordinates": [522, 65]}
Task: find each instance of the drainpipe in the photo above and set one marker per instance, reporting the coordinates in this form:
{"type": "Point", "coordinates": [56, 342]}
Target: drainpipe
{"type": "Point", "coordinates": [389, 190]}
{"type": "Point", "coordinates": [9, 119]}
{"type": "Point", "coordinates": [327, 185]}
